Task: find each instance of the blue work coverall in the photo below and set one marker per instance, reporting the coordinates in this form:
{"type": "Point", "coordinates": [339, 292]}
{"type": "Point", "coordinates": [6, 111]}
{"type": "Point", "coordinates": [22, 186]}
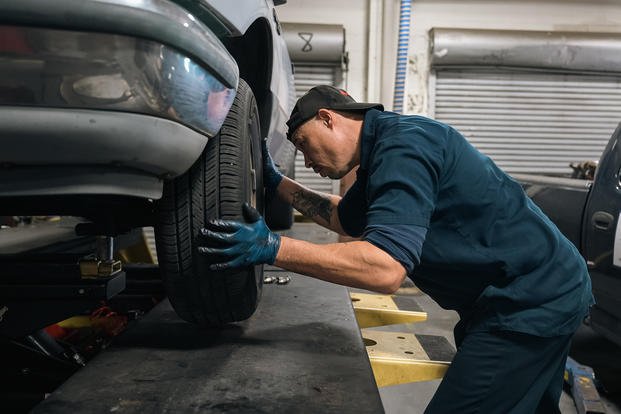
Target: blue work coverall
{"type": "Point", "coordinates": [471, 239]}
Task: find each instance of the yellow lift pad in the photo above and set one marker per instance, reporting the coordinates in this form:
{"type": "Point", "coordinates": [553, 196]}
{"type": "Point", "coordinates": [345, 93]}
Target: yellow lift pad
{"type": "Point", "coordinates": [381, 310]}
{"type": "Point", "coordinates": [399, 358]}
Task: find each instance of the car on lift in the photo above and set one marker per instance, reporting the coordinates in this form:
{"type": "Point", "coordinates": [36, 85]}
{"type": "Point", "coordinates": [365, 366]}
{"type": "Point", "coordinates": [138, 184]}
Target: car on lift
{"type": "Point", "coordinates": [149, 113]}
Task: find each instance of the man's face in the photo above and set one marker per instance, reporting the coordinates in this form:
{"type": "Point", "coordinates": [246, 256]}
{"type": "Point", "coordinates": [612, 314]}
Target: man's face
{"type": "Point", "coordinates": [323, 149]}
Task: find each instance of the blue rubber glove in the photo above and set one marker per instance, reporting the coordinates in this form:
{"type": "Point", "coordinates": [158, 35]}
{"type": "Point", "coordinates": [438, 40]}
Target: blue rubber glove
{"type": "Point", "coordinates": [271, 176]}
{"type": "Point", "coordinates": [238, 244]}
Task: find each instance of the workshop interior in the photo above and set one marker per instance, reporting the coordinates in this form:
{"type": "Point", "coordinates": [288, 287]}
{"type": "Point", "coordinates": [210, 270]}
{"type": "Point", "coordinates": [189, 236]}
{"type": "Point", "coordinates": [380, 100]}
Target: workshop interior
{"type": "Point", "coordinates": [128, 126]}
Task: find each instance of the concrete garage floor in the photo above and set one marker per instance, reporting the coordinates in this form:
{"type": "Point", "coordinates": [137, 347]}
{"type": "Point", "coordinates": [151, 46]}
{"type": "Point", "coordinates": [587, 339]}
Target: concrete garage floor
{"type": "Point", "coordinates": [588, 348]}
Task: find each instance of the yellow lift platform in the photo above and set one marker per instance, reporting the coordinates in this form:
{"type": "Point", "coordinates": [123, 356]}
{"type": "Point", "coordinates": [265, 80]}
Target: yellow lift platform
{"type": "Point", "coordinates": [398, 357]}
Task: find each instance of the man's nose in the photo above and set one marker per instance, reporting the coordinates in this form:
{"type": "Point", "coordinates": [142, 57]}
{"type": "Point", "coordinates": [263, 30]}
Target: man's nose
{"type": "Point", "coordinates": [307, 162]}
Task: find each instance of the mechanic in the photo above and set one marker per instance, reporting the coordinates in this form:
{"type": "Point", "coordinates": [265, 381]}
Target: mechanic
{"type": "Point", "coordinates": [427, 205]}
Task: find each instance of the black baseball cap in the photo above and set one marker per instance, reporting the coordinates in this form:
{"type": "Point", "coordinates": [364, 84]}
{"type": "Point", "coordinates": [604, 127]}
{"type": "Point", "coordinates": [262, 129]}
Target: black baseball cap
{"type": "Point", "coordinates": [324, 96]}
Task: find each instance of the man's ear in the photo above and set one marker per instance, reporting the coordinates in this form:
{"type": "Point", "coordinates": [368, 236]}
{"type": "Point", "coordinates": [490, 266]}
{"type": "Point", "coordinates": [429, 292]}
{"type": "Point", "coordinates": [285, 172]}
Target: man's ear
{"type": "Point", "coordinates": [326, 117]}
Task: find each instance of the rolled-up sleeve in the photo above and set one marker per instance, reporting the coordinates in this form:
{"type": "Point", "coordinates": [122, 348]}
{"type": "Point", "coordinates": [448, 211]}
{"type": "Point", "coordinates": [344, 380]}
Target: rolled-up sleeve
{"type": "Point", "coordinates": [404, 242]}
{"type": "Point", "coordinates": [352, 209]}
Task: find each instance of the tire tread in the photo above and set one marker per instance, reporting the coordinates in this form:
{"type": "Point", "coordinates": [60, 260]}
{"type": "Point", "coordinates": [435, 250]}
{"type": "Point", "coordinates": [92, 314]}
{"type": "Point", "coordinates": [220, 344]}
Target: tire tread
{"type": "Point", "coordinates": [214, 187]}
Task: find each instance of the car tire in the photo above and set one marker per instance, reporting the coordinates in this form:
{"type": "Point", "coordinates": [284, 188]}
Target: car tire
{"type": "Point", "coordinates": [228, 173]}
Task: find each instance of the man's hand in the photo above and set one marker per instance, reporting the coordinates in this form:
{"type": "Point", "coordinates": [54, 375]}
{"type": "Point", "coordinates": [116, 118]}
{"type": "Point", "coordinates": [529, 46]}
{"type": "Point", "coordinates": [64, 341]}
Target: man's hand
{"type": "Point", "coordinates": [271, 176]}
{"type": "Point", "coordinates": [237, 244]}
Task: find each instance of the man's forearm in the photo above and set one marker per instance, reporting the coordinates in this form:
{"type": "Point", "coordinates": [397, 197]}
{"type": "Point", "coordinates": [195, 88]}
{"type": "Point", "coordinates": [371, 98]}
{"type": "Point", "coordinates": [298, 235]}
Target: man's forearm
{"type": "Point", "coordinates": [320, 207]}
{"type": "Point", "coordinates": [356, 264]}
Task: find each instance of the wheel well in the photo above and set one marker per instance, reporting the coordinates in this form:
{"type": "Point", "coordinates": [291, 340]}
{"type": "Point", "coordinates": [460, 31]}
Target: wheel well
{"type": "Point", "coordinates": [253, 53]}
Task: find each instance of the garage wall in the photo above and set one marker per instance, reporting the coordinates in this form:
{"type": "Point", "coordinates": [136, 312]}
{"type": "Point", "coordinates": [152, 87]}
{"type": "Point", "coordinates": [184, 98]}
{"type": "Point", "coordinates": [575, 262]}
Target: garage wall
{"type": "Point", "coordinates": [559, 15]}
{"type": "Point", "coordinates": [370, 38]}
{"type": "Point", "coordinates": [352, 15]}
{"type": "Point", "coordinates": [371, 33]}
{"type": "Point", "coordinates": [370, 29]}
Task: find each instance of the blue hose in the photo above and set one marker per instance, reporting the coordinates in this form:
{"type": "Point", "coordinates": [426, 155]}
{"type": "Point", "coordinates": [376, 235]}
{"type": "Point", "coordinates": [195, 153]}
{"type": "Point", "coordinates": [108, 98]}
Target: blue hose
{"type": "Point", "coordinates": [402, 55]}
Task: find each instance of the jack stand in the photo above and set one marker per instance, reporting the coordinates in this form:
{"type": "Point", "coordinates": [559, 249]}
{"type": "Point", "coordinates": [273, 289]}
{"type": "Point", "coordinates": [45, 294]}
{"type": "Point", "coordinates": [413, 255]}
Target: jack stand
{"type": "Point", "coordinates": [102, 264]}
{"type": "Point", "coordinates": [581, 381]}
{"type": "Point", "coordinates": [399, 357]}
{"type": "Point", "coordinates": [38, 291]}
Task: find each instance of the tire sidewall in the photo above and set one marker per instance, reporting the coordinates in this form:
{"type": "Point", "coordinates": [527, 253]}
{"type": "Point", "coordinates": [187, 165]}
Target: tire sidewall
{"type": "Point", "coordinates": [228, 173]}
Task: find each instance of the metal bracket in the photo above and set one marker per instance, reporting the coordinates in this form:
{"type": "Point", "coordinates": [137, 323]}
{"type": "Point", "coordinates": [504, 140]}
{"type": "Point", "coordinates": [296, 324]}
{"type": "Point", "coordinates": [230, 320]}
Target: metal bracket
{"type": "Point", "coordinates": [92, 268]}
{"type": "Point", "coordinates": [103, 263]}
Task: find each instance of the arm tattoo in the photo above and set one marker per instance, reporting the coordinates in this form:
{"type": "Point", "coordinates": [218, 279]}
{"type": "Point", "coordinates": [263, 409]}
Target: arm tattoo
{"type": "Point", "coordinates": [312, 204]}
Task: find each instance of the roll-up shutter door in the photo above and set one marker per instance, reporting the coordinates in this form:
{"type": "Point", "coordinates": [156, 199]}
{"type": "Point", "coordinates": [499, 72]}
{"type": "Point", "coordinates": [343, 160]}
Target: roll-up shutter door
{"type": "Point", "coordinates": [307, 76]}
{"type": "Point", "coordinates": [534, 101]}
{"type": "Point", "coordinates": [318, 54]}
{"type": "Point", "coordinates": [530, 122]}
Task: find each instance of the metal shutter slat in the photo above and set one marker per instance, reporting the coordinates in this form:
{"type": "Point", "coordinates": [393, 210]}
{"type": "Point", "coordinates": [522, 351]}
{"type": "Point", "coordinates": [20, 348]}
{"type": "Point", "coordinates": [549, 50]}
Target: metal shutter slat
{"type": "Point", "coordinates": [579, 124]}
{"type": "Point", "coordinates": [307, 76]}
{"type": "Point", "coordinates": [533, 122]}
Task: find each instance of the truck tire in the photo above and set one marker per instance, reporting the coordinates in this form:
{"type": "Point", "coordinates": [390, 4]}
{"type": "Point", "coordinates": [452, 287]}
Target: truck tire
{"type": "Point", "coordinates": [228, 173]}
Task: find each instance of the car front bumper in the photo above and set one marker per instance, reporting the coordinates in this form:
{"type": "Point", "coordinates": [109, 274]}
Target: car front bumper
{"type": "Point", "coordinates": [70, 101]}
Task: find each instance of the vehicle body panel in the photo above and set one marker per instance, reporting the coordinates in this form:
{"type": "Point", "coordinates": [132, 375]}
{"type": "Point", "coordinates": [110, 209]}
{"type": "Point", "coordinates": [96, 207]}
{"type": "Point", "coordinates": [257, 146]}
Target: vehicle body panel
{"type": "Point", "coordinates": [240, 22]}
{"type": "Point", "coordinates": [87, 70]}
{"type": "Point", "coordinates": [158, 20]}
{"type": "Point", "coordinates": [160, 72]}
{"type": "Point", "coordinates": [281, 87]}
{"type": "Point", "coordinates": [588, 212]}
{"type": "Point", "coordinates": [561, 199]}
{"type": "Point", "coordinates": [602, 238]}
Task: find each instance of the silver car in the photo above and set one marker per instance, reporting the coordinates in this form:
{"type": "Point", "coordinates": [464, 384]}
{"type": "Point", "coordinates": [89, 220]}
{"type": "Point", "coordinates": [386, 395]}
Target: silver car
{"type": "Point", "coordinates": [135, 113]}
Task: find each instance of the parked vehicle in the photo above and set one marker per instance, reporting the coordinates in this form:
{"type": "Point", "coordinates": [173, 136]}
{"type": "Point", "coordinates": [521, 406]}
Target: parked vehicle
{"type": "Point", "coordinates": [587, 211]}
{"type": "Point", "coordinates": [134, 114]}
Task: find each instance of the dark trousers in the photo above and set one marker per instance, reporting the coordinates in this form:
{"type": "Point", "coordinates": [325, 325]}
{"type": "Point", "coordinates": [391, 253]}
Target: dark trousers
{"type": "Point", "coordinates": [503, 372]}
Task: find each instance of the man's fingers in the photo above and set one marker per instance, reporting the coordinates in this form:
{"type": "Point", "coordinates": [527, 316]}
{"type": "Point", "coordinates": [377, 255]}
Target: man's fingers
{"type": "Point", "coordinates": [240, 261]}
{"type": "Point", "coordinates": [219, 266]}
{"type": "Point", "coordinates": [209, 250]}
{"type": "Point", "coordinates": [264, 147]}
{"type": "Point", "coordinates": [227, 226]}
{"type": "Point", "coordinates": [217, 237]}
{"type": "Point", "coordinates": [250, 213]}
{"type": "Point", "coordinates": [229, 251]}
